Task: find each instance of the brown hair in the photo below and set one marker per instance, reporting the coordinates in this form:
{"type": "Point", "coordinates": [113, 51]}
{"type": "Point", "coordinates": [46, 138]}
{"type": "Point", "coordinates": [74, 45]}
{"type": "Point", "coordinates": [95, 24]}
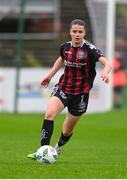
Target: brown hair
{"type": "Point", "coordinates": [79, 22]}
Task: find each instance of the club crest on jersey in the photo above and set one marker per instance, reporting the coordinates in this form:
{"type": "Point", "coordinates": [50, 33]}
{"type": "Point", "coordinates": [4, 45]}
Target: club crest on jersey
{"type": "Point", "coordinates": [80, 55]}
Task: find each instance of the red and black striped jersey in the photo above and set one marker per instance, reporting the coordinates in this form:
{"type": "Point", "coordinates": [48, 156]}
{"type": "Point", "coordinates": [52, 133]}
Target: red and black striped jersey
{"type": "Point", "coordinates": [79, 72]}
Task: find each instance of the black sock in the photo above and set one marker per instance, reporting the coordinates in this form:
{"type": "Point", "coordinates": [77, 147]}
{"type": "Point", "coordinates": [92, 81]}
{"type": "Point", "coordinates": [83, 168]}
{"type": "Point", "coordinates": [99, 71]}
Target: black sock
{"type": "Point", "coordinates": [63, 139]}
{"type": "Point", "coordinates": [46, 133]}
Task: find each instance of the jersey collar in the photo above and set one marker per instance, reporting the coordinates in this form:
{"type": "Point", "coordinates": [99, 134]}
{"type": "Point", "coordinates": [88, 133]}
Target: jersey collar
{"type": "Point", "coordinates": [80, 45]}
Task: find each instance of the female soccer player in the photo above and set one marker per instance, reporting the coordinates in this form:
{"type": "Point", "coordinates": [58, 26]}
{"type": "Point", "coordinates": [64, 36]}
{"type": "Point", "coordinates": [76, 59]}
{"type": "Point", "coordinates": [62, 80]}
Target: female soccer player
{"type": "Point", "coordinates": [79, 58]}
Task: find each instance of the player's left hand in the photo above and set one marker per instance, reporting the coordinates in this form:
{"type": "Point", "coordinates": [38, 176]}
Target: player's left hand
{"type": "Point", "coordinates": [105, 77]}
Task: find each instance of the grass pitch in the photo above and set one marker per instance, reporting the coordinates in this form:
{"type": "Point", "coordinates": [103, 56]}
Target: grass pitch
{"type": "Point", "coordinates": [98, 148]}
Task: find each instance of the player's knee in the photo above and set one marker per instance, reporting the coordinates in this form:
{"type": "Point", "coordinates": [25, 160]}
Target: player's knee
{"type": "Point", "coordinates": [50, 115]}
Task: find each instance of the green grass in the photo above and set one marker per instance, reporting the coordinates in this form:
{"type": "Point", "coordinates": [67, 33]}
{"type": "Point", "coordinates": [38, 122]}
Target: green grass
{"type": "Point", "coordinates": [98, 148]}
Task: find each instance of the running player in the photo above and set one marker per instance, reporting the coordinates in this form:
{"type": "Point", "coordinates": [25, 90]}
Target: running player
{"type": "Point", "coordinates": [79, 58]}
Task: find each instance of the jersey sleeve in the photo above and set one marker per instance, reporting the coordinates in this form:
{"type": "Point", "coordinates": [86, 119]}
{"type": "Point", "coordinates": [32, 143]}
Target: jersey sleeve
{"type": "Point", "coordinates": [61, 51]}
{"type": "Point", "coordinates": [95, 53]}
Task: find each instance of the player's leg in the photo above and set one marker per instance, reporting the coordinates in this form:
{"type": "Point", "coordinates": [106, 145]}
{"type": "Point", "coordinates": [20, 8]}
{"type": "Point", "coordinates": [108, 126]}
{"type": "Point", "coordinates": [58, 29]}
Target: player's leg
{"type": "Point", "coordinates": [55, 106]}
{"type": "Point", "coordinates": [76, 107]}
{"type": "Point", "coordinates": [69, 124]}
{"type": "Point", "coordinates": [67, 130]}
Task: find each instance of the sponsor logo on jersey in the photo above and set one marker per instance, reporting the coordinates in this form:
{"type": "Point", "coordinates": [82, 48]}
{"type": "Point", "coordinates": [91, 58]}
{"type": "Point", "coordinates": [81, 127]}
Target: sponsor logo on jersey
{"type": "Point", "coordinates": [74, 64]}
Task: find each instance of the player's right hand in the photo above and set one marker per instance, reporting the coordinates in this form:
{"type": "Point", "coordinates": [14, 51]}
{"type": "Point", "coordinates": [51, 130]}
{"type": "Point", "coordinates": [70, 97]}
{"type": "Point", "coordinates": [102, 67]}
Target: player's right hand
{"type": "Point", "coordinates": [45, 82]}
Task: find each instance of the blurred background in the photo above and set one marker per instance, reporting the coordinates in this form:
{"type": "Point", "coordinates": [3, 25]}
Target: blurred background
{"type": "Point", "coordinates": [31, 33]}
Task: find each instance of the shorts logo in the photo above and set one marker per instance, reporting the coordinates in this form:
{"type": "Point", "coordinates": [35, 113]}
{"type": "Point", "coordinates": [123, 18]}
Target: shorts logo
{"type": "Point", "coordinates": [54, 90]}
{"type": "Point", "coordinates": [82, 105]}
{"type": "Point", "coordinates": [82, 98]}
{"type": "Point", "coordinates": [63, 95]}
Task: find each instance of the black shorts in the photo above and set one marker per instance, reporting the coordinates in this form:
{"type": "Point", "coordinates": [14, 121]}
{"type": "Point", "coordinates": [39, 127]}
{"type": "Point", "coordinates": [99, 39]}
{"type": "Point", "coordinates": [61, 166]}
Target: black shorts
{"type": "Point", "coordinates": [76, 104]}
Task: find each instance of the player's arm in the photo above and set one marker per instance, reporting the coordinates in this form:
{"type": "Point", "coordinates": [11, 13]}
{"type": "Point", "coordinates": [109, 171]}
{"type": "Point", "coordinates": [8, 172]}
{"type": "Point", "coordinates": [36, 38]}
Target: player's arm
{"type": "Point", "coordinates": [57, 65]}
{"type": "Point", "coordinates": [106, 69]}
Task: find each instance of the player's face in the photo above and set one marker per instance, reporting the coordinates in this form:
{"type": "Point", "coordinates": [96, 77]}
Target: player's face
{"type": "Point", "coordinates": [77, 33]}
